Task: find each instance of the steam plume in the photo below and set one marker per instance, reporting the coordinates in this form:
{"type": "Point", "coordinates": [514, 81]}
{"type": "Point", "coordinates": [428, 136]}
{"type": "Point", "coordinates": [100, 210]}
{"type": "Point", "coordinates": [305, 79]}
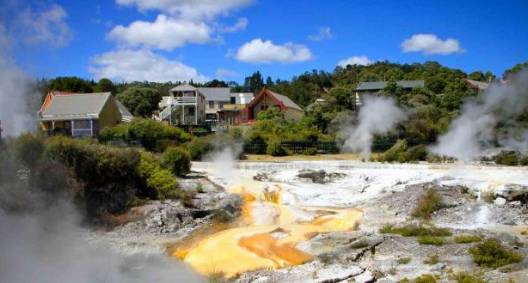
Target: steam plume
{"type": "Point", "coordinates": [475, 130]}
{"type": "Point", "coordinates": [378, 116]}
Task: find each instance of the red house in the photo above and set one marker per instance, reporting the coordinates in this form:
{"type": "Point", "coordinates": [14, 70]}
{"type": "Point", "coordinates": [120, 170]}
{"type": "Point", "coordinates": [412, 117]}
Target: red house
{"type": "Point", "coordinates": [266, 99]}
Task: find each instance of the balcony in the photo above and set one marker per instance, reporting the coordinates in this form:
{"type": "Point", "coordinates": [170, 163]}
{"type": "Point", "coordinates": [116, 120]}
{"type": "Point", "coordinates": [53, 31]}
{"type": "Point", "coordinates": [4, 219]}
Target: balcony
{"type": "Point", "coordinates": [184, 100]}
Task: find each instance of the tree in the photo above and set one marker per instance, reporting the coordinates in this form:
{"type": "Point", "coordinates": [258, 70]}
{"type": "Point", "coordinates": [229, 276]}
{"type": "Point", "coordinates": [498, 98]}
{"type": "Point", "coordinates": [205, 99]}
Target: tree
{"type": "Point", "coordinates": [216, 83]}
{"type": "Point", "coordinates": [269, 82]}
{"type": "Point", "coordinates": [254, 83]}
{"type": "Point", "coordinates": [141, 101]}
{"type": "Point", "coordinates": [105, 85]}
{"type": "Point", "coordinates": [70, 84]}
{"type": "Point", "coordinates": [514, 70]}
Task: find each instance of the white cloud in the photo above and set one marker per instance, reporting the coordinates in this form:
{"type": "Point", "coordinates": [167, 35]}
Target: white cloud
{"type": "Point", "coordinates": [141, 65]}
{"type": "Point", "coordinates": [48, 27]}
{"type": "Point", "coordinates": [164, 33]}
{"type": "Point", "coordinates": [240, 25]}
{"type": "Point", "coordinates": [188, 8]}
{"type": "Point", "coordinates": [259, 51]}
{"type": "Point", "coordinates": [355, 60]}
{"type": "Point", "coordinates": [431, 44]}
{"type": "Point", "coordinates": [324, 33]}
{"type": "Point", "coordinates": [222, 73]}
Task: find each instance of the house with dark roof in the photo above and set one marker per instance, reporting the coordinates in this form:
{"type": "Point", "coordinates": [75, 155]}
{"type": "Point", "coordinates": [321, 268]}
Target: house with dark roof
{"type": "Point", "coordinates": [80, 114]}
{"type": "Point", "coordinates": [266, 99]}
{"type": "Point", "coordinates": [477, 86]}
{"type": "Point", "coordinates": [370, 88]}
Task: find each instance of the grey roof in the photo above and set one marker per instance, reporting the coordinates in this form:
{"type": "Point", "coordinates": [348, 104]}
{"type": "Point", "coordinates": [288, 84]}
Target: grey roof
{"type": "Point", "coordinates": [382, 84]}
{"type": "Point", "coordinates": [75, 106]}
{"type": "Point", "coordinates": [216, 93]}
{"type": "Point", "coordinates": [183, 87]}
{"type": "Point", "coordinates": [478, 84]}
{"type": "Point", "coordinates": [286, 100]}
{"type": "Point", "coordinates": [126, 116]}
{"type": "Point", "coordinates": [243, 97]}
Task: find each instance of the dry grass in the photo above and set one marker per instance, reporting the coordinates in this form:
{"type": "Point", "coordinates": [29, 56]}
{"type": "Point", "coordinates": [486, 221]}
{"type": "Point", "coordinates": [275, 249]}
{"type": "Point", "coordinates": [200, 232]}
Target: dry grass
{"type": "Point", "coordinates": [466, 239]}
{"type": "Point", "coordinates": [432, 259]}
{"type": "Point", "coordinates": [429, 202]}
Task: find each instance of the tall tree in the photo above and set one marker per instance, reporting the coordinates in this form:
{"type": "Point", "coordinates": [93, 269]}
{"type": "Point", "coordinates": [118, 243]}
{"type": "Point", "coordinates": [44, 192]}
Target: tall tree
{"type": "Point", "coordinates": [254, 83]}
{"type": "Point", "coordinates": [141, 101]}
{"type": "Point", "coordinates": [105, 85]}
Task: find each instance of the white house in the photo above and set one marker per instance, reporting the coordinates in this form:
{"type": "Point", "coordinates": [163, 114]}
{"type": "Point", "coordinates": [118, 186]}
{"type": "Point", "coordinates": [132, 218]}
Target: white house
{"type": "Point", "coordinates": [184, 106]}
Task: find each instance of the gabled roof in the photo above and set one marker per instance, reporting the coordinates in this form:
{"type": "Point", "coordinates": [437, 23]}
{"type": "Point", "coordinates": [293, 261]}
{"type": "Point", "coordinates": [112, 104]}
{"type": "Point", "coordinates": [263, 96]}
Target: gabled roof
{"type": "Point", "coordinates": [286, 101]}
{"type": "Point", "coordinates": [126, 116]}
{"type": "Point", "coordinates": [379, 85]}
{"type": "Point", "coordinates": [478, 84]}
{"type": "Point", "coordinates": [183, 87]}
{"type": "Point", "coordinates": [68, 106]}
{"type": "Point", "coordinates": [216, 93]}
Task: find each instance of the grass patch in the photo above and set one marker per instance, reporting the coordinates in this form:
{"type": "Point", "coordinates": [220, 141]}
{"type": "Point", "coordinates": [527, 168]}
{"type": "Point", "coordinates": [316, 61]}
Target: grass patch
{"type": "Point", "coordinates": [432, 259]}
{"type": "Point", "coordinates": [430, 240]}
{"type": "Point", "coordinates": [466, 239]}
{"type": "Point", "coordinates": [426, 278]}
{"type": "Point", "coordinates": [464, 277]}
{"type": "Point", "coordinates": [490, 253]}
{"type": "Point", "coordinates": [428, 203]}
{"type": "Point", "coordinates": [413, 230]}
{"type": "Point", "coordinates": [403, 260]}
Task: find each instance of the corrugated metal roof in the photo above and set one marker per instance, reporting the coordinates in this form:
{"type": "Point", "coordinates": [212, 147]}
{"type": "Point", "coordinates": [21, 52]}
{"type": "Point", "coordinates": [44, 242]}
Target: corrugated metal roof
{"type": "Point", "coordinates": [126, 116]}
{"type": "Point", "coordinates": [216, 93]}
{"type": "Point", "coordinates": [183, 87]}
{"type": "Point", "coordinates": [243, 97]}
{"type": "Point", "coordinates": [478, 84]}
{"type": "Point", "coordinates": [382, 84]}
{"type": "Point", "coordinates": [285, 100]}
{"type": "Point", "coordinates": [75, 106]}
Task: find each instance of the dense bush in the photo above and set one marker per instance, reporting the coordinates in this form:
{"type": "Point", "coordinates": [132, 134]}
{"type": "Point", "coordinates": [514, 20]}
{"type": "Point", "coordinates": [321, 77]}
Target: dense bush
{"type": "Point", "coordinates": [160, 182]}
{"type": "Point", "coordinates": [509, 158]}
{"type": "Point", "coordinates": [274, 148]}
{"type": "Point", "coordinates": [412, 230]}
{"type": "Point", "coordinates": [428, 203]}
{"type": "Point", "coordinates": [152, 135]}
{"type": "Point", "coordinates": [490, 253]}
{"type": "Point", "coordinates": [29, 149]}
{"type": "Point", "coordinates": [396, 153]}
{"type": "Point", "coordinates": [199, 146]}
{"type": "Point", "coordinates": [177, 160]}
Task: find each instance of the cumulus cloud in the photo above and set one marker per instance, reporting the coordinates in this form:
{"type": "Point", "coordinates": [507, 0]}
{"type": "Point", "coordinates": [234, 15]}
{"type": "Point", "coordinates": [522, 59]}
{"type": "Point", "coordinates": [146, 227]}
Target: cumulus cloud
{"type": "Point", "coordinates": [355, 60]}
{"type": "Point", "coordinates": [431, 44]}
{"type": "Point", "coordinates": [188, 8]}
{"type": "Point", "coordinates": [47, 27]}
{"type": "Point", "coordinates": [164, 33]}
{"type": "Point", "coordinates": [260, 51]}
{"type": "Point", "coordinates": [141, 65]}
{"type": "Point", "coordinates": [323, 33]}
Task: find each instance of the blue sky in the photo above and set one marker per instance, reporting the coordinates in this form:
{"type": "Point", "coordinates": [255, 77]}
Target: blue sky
{"type": "Point", "coordinates": [229, 39]}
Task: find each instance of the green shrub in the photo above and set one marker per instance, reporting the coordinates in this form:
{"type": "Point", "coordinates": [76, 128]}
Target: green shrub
{"type": "Point", "coordinates": [509, 158]}
{"type": "Point", "coordinates": [164, 182]}
{"type": "Point", "coordinates": [396, 153]}
{"type": "Point", "coordinates": [200, 146]}
{"type": "Point", "coordinates": [417, 153]}
{"type": "Point", "coordinates": [432, 259]}
{"type": "Point", "coordinates": [428, 203]}
{"type": "Point", "coordinates": [118, 132]}
{"type": "Point", "coordinates": [466, 239]}
{"type": "Point", "coordinates": [412, 230]}
{"type": "Point", "coordinates": [464, 277]}
{"type": "Point", "coordinates": [275, 148]}
{"type": "Point", "coordinates": [403, 260]}
{"type": "Point", "coordinates": [29, 149]}
{"type": "Point", "coordinates": [490, 253]}
{"type": "Point", "coordinates": [177, 160]}
{"type": "Point", "coordinates": [430, 240]}
{"type": "Point", "coordinates": [426, 278]}
{"type": "Point", "coordinates": [310, 151]}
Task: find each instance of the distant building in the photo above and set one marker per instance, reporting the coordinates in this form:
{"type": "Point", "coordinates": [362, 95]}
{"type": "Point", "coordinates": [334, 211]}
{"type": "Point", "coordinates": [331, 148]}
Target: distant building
{"type": "Point", "coordinates": [184, 106]}
{"type": "Point", "coordinates": [80, 114]}
{"type": "Point", "coordinates": [477, 86]}
{"type": "Point", "coordinates": [216, 98]}
{"type": "Point", "coordinates": [231, 114]}
{"type": "Point", "coordinates": [266, 99]}
{"type": "Point", "coordinates": [371, 88]}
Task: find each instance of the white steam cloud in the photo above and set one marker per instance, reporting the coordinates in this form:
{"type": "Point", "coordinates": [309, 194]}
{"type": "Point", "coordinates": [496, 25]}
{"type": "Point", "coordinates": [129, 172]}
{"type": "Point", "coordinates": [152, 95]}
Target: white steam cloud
{"type": "Point", "coordinates": [378, 116]}
{"type": "Point", "coordinates": [489, 122]}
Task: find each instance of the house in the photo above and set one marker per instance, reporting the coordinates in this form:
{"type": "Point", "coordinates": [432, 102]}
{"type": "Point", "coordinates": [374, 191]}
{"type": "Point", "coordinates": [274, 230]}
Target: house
{"type": "Point", "coordinates": [477, 86]}
{"type": "Point", "coordinates": [370, 88]}
{"type": "Point", "coordinates": [80, 114]}
{"type": "Point", "coordinates": [184, 106]}
{"type": "Point", "coordinates": [216, 98]}
{"type": "Point", "coordinates": [266, 99]}
{"type": "Point", "coordinates": [231, 114]}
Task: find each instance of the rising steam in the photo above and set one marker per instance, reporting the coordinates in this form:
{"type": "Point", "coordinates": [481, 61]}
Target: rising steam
{"type": "Point", "coordinates": [489, 122]}
{"type": "Point", "coordinates": [378, 116]}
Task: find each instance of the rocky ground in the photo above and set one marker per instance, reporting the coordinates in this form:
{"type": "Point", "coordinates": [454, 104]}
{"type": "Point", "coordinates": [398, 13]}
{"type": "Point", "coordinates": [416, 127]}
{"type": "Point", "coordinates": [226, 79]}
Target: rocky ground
{"type": "Point", "coordinates": [365, 255]}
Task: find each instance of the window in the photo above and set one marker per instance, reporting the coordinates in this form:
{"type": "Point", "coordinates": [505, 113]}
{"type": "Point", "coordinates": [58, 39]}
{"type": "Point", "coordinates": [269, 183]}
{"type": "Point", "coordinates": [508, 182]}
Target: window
{"type": "Point", "coordinates": [233, 100]}
{"type": "Point", "coordinates": [211, 104]}
{"type": "Point", "coordinates": [220, 105]}
{"type": "Point", "coordinates": [82, 124]}
{"type": "Point", "coordinates": [263, 107]}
